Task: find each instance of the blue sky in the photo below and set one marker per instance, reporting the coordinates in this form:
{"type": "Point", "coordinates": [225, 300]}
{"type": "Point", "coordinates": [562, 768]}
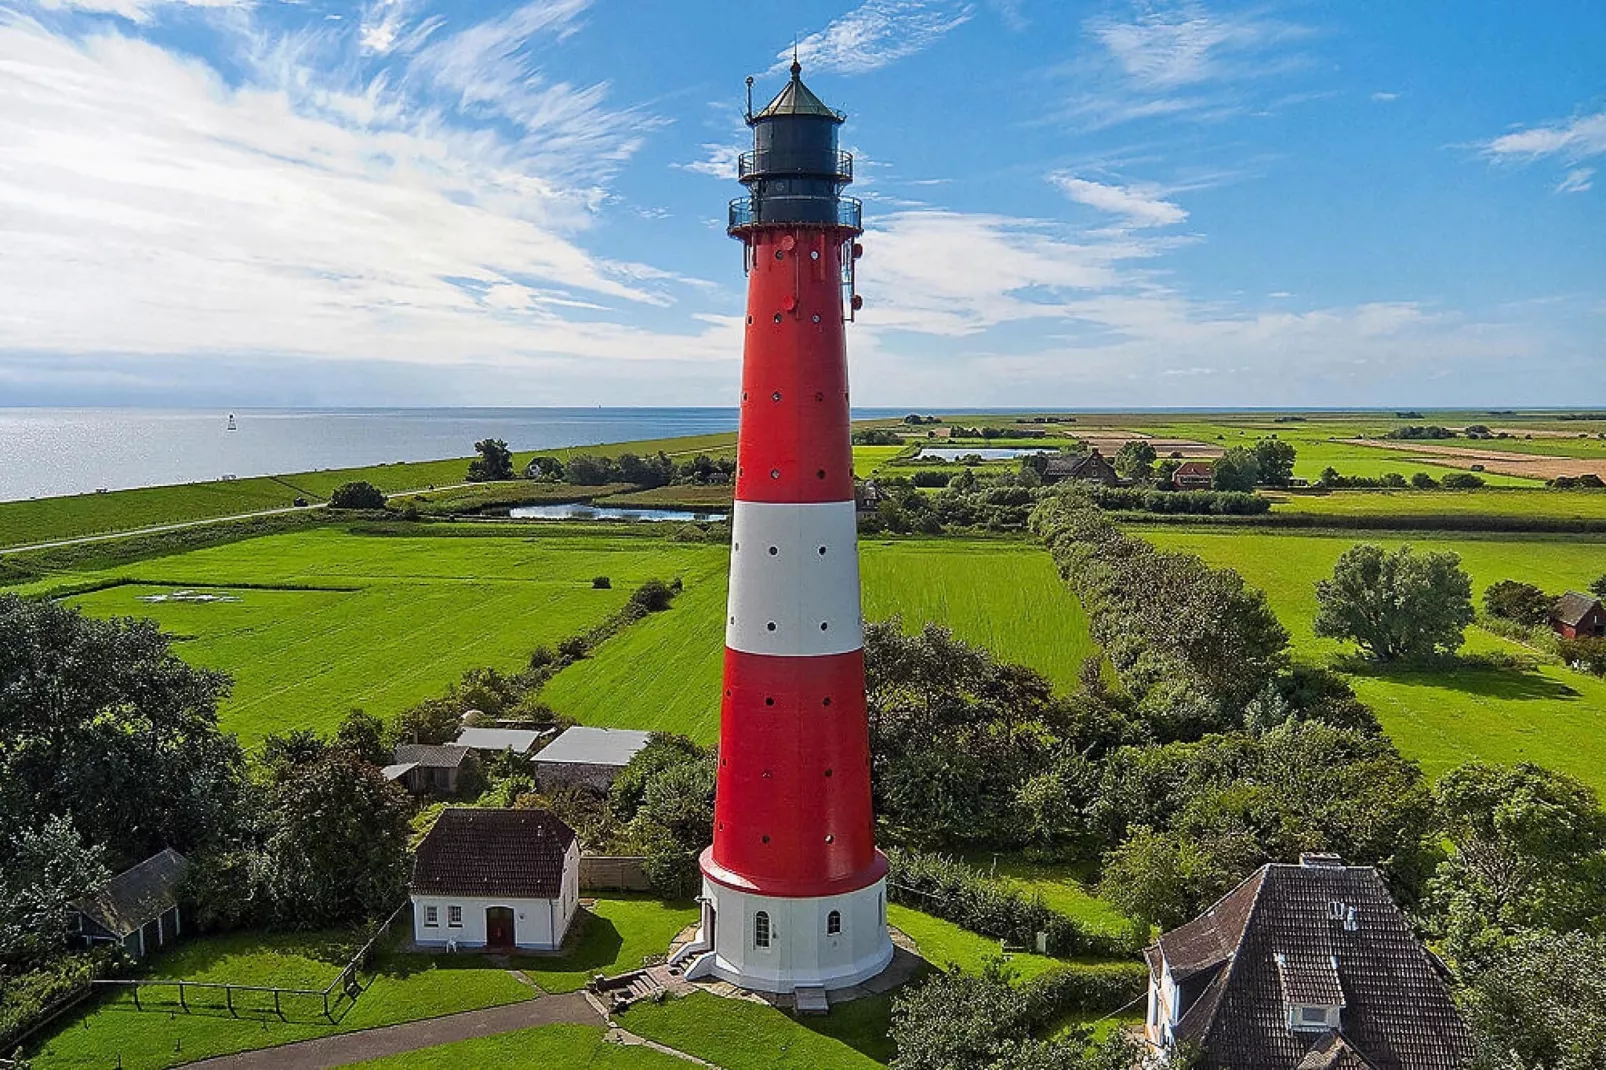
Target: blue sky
{"type": "Point", "coordinates": [1191, 203]}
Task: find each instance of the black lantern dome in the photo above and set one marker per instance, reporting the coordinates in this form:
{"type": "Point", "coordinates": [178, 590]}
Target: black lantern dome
{"type": "Point", "coordinates": [795, 173]}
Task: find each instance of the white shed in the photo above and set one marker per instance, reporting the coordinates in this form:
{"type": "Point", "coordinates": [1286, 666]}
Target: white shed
{"type": "Point", "coordinates": [497, 879]}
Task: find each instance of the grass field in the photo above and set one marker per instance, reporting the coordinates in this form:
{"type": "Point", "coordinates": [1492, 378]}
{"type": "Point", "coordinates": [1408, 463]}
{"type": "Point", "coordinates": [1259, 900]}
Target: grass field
{"type": "Point", "coordinates": [687, 495]}
{"type": "Point", "coordinates": [664, 673]}
{"type": "Point", "coordinates": [543, 1048]}
{"type": "Point", "coordinates": [944, 944]}
{"type": "Point", "coordinates": [617, 932]}
{"type": "Point", "coordinates": [1063, 889]}
{"type": "Point", "coordinates": [738, 1035]}
{"type": "Point", "coordinates": [327, 619]}
{"type": "Point", "coordinates": [866, 459]}
{"type": "Point", "coordinates": [1549, 715]}
{"type": "Point", "coordinates": [1395, 504]}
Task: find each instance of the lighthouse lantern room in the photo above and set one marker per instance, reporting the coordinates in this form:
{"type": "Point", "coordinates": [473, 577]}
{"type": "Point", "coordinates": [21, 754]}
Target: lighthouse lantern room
{"type": "Point", "coordinates": [794, 890]}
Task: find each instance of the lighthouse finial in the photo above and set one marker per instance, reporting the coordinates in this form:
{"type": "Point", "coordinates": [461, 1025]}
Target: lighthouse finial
{"type": "Point", "coordinates": [797, 68]}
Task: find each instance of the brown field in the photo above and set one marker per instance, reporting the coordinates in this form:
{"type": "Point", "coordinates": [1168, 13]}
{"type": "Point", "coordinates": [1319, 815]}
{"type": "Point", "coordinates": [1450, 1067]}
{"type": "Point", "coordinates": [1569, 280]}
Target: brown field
{"type": "Point", "coordinates": [1108, 442]}
{"type": "Point", "coordinates": [1531, 465]}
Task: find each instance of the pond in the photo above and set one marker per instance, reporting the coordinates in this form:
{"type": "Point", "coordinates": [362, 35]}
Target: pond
{"type": "Point", "coordinates": [588, 511]}
{"type": "Point", "coordinates": [986, 453]}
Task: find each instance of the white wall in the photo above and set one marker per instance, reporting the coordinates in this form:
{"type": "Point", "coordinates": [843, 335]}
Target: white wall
{"type": "Point", "coordinates": [800, 951]}
{"type": "Point", "coordinates": [538, 924]}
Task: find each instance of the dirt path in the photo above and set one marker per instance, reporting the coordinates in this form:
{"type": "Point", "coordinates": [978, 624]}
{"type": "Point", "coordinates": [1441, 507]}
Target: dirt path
{"type": "Point", "coordinates": [346, 1048]}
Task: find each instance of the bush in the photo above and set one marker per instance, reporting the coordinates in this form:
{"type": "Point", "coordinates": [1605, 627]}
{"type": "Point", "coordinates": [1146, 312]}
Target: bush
{"type": "Point", "coordinates": [1522, 603]}
{"type": "Point", "coordinates": [877, 436]}
{"type": "Point", "coordinates": [654, 596]}
{"type": "Point", "coordinates": [1192, 502]}
{"type": "Point", "coordinates": [1587, 654]}
{"type": "Point", "coordinates": [972, 900]}
{"type": "Point", "coordinates": [928, 478]}
{"type": "Point", "coordinates": [358, 495]}
{"type": "Point", "coordinates": [27, 997]}
{"type": "Point", "coordinates": [1423, 481]}
{"type": "Point", "coordinates": [1084, 989]}
{"type": "Point", "coordinates": [1461, 481]}
{"type": "Point", "coordinates": [601, 583]}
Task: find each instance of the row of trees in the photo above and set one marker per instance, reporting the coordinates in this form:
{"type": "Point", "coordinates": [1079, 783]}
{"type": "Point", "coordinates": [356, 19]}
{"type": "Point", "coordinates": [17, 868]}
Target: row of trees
{"type": "Point", "coordinates": [1331, 479]}
{"type": "Point", "coordinates": [1269, 462]}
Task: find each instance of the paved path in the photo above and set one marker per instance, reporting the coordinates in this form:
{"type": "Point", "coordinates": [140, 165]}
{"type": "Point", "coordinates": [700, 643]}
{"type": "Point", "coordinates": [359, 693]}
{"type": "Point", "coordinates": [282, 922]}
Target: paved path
{"type": "Point", "coordinates": [347, 1048]}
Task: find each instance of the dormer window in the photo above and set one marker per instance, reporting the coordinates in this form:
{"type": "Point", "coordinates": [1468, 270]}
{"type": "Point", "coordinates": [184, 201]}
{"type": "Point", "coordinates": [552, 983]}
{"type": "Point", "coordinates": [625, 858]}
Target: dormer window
{"type": "Point", "coordinates": [1313, 995]}
{"type": "Point", "coordinates": [1310, 1018]}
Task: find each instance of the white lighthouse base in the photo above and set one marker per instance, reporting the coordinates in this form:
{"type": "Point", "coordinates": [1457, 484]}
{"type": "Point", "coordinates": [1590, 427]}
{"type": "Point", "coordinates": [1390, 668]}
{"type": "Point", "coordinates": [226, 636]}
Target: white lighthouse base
{"type": "Point", "coordinates": [801, 951]}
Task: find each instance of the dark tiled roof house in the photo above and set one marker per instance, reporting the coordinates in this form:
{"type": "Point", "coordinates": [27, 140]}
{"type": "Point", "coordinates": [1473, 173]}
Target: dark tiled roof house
{"type": "Point", "coordinates": [1194, 475]}
{"type": "Point", "coordinates": [1304, 967]}
{"type": "Point", "coordinates": [1090, 466]}
{"type": "Point", "coordinates": [1578, 616]}
{"type": "Point", "coordinates": [498, 878]}
{"type": "Point", "coordinates": [138, 908]}
{"type": "Point", "coordinates": [426, 768]}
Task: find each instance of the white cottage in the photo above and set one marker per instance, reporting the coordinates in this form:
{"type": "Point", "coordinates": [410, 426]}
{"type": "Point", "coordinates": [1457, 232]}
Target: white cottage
{"type": "Point", "coordinates": [496, 879]}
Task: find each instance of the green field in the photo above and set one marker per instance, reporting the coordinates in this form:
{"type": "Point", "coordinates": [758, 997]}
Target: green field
{"type": "Point", "coordinates": [327, 619]}
{"type": "Point", "coordinates": [1549, 715]}
{"type": "Point", "coordinates": [738, 1035]}
{"type": "Point", "coordinates": [664, 673]}
{"type": "Point", "coordinates": [1537, 504]}
{"type": "Point", "coordinates": [615, 935]}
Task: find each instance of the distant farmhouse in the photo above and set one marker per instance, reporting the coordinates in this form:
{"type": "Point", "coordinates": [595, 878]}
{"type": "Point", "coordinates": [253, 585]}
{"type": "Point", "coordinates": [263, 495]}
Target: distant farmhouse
{"type": "Point", "coordinates": [497, 879]}
{"type": "Point", "coordinates": [1091, 467]}
{"type": "Point", "coordinates": [1578, 616]}
{"type": "Point", "coordinates": [587, 757]}
{"type": "Point", "coordinates": [520, 741]}
{"type": "Point", "coordinates": [138, 908]}
{"type": "Point", "coordinates": [1304, 967]}
{"type": "Point", "coordinates": [1193, 475]}
{"type": "Point", "coordinates": [428, 769]}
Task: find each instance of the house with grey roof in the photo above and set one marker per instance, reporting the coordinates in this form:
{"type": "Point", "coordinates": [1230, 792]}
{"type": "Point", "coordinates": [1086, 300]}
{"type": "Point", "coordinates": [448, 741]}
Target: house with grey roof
{"type": "Point", "coordinates": [138, 908]}
{"type": "Point", "coordinates": [1304, 967]}
{"type": "Point", "coordinates": [1578, 616]}
{"type": "Point", "coordinates": [429, 769]}
{"type": "Point", "coordinates": [497, 879]}
{"type": "Point", "coordinates": [1089, 467]}
{"type": "Point", "coordinates": [520, 741]}
{"type": "Point", "coordinates": [587, 757]}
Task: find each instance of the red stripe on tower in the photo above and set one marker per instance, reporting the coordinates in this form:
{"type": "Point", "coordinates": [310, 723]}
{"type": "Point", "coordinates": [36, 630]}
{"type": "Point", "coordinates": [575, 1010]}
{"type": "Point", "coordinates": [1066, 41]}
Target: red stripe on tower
{"type": "Point", "coordinates": [794, 888]}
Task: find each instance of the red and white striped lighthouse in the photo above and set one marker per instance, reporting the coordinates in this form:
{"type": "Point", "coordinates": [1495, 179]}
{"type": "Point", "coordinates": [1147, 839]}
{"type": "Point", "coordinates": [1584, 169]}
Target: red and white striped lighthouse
{"type": "Point", "coordinates": [794, 890]}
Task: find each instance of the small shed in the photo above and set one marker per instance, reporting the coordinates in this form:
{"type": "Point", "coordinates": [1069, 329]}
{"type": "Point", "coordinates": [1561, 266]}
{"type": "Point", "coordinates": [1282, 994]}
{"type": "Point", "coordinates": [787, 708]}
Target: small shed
{"type": "Point", "coordinates": [138, 908]}
{"type": "Point", "coordinates": [1578, 616]}
{"type": "Point", "coordinates": [587, 757]}
{"type": "Point", "coordinates": [1193, 475]}
{"type": "Point", "coordinates": [425, 768]}
{"type": "Point", "coordinates": [497, 879]}
{"type": "Point", "coordinates": [520, 741]}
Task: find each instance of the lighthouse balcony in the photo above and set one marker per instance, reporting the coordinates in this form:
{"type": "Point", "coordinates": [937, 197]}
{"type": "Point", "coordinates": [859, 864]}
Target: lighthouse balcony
{"type": "Point", "coordinates": [764, 163]}
{"type": "Point", "coordinates": [749, 213]}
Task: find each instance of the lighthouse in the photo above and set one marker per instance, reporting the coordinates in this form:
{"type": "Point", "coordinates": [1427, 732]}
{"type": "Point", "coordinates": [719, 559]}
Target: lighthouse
{"type": "Point", "coordinates": [794, 890]}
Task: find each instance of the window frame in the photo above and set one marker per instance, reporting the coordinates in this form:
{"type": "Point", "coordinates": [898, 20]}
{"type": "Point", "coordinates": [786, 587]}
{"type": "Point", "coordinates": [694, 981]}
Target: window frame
{"type": "Point", "coordinates": [454, 916]}
{"type": "Point", "coordinates": [833, 923]}
{"type": "Point", "coordinates": [432, 916]}
{"type": "Point", "coordinates": [763, 931]}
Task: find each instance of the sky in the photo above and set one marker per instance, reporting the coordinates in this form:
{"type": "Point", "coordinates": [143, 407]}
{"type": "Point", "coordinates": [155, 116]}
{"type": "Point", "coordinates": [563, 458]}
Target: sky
{"type": "Point", "coordinates": [416, 202]}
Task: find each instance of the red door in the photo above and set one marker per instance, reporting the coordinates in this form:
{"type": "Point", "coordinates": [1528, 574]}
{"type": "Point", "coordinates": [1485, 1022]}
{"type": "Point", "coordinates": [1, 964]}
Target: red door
{"type": "Point", "coordinates": [499, 926]}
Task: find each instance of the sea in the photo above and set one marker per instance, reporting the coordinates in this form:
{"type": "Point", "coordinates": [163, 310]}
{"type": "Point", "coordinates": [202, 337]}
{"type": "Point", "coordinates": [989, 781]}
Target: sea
{"type": "Point", "coordinates": [46, 452]}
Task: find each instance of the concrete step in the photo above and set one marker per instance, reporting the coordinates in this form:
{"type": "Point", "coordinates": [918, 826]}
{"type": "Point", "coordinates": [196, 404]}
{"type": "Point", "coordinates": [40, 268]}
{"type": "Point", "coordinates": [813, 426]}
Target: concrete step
{"type": "Point", "coordinates": [811, 999]}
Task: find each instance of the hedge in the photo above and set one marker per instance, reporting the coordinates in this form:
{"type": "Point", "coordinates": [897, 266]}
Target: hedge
{"type": "Point", "coordinates": [1084, 989]}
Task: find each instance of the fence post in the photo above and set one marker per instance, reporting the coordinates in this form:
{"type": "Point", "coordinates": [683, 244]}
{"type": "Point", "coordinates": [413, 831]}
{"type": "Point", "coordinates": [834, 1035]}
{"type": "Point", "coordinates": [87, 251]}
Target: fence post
{"type": "Point", "coordinates": [326, 1013]}
{"type": "Point", "coordinates": [137, 1006]}
{"type": "Point", "coordinates": [228, 997]}
{"type": "Point", "coordinates": [181, 1002]}
{"type": "Point", "coordinates": [276, 1009]}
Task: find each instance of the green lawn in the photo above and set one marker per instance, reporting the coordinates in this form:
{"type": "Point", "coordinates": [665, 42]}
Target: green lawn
{"type": "Point", "coordinates": [944, 944]}
{"type": "Point", "coordinates": [544, 1048]}
{"type": "Point", "coordinates": [866, 459]}
{"type": "Point", "coordinates": [738, 1035]}
{"type": "Point", "coordinates": [113, 1032]}
{"type": "Point", "coordinates": [1394, 504]}
{"type": "Point", "coordinates": [1549, 715]}
{"type": "Point", "coordinates": [1063, 888]}
{"type": "Point", "coordinates": [327, 619]}
{"type": "Point", "coordinates": [664, 673]}
{"type": "Point", "coordinates": [615, 935]}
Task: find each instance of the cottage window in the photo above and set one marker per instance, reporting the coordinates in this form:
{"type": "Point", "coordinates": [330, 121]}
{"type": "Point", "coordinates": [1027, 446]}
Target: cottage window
{"type": "Point", "coordinates": [432, 915]}
{"type": "Point", "coordinates": [833, 923]}
{"type": "Point", "coordinates": [761, 929]}
{"type": "Point", "coordinates": [454, 916]}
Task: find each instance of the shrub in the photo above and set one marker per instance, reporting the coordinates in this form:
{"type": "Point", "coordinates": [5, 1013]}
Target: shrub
{"type": "Point", "coordinates": [877, 436]}
{"type": "Point", "coordinates": [601, 583]}
{"type": "Point", "coordinates": [1462, 481]}
{"type": "Point", "coordinates": [1192, 502]}
{"type": "Point", "coordinates": [1587, 654]}
{"type": "Point", "coordinates": [1084, 989]}
{"type": "Point", "coordinates": [930, 478]}
{"type": "Point", "coordinates": [27, 997]}
{"type": "Point", "coordinates": [358, 495]}
{"type": "Point", "coordinates": [1423, 481]}
{"type": "Point", "coordinates": [1522, 603]}
{"type": "Point", "coordinates": [654, 596]}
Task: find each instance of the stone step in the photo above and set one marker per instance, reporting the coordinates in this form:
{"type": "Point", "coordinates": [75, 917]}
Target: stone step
{"type": "Point", "coordinates": [811, 1000]}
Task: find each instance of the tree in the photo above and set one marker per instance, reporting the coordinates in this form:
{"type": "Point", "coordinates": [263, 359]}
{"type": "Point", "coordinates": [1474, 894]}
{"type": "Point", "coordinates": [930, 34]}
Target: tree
{"type": "Point", "coordinates": [339, 845]}
{"type": "Point", "coordinates": [1135, 459]}
{"type": "Point", "coordinates": [1528, 850]}
{"type": "Point", "coordinates": [674, 822]}
{"type": "Point", "coordinates": [495, 461]}
{"type": "Point", "coordinates": [584, 470]}
{"type": "Point", "coordinates": [435, 720]}
{"type": "Point", "coordinates": [358, 495]}
{"type": "Point", "coordinates": [100, 719]}
{"type": "Point", "coordinates": [1274, 462]}
{"type": "Point", "coordinates": [546, 469]}
{"type": "Point", "coordinates": [284, 752]}
{"type": "Point", "coordinates": [1236, 469]}
{"type": "Point", "coordinates": [48, 869]}
{"type": "Point", "coordinates": [653, 596]}
{"type": "Point", "coordinates": [363, 734]}
{"type": "Point", "coordinates": [1462, 481]}
{"type": "Point", "coordinates": [1399, 605]}
{"type": "Point", "coordinates": [1520, 602]}
{"type": "Point", "coordinates": [1598, 587]}
{"type": "Point", "coordinates": [1540, 1003]}
{"type": "Point", "coordinates": [1423, 481]}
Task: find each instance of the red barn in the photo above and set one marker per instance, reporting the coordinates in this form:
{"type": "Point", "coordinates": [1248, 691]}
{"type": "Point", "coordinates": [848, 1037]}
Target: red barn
{"type": "Point", "coordinates": [1579, 616]}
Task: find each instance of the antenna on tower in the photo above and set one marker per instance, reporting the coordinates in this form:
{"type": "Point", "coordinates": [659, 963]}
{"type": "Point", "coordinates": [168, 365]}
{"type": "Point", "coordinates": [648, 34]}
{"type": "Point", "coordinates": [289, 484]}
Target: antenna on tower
{"type": "Point", "coordinates": [749, 98]}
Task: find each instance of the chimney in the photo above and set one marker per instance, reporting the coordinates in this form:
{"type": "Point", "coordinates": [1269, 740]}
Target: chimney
{"type": "Point", "coordinates": [1310, 859]}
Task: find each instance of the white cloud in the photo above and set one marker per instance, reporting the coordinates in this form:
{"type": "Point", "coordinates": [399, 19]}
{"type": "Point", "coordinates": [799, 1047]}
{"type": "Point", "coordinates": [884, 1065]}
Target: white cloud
{"type": "Point", "coordinates": [1177, 58]}
{"type": "Point", "coordinates": [152, 208]}
{"type": "Point", "coordinates": [1385, 98]}
{"type": "Point", "coordinates": [135, 10]}
{"type": "Point", "coordinates": [1572, 140]}
{"type": "Point", "coordinates": [1142, 206]}
{"type": "Point", "coordinates": [877, 33]}
{"type": "Point", "coordinates": [1578, 180]}
{"type": "Point", "coordinates": [719, 161]}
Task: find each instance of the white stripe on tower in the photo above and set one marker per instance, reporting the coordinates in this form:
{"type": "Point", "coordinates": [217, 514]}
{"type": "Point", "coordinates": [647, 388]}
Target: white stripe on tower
{"type": "Point", "coordinates": [794, 580]}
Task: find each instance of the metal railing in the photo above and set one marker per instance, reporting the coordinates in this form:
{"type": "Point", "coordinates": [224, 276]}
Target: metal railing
{"type": "Point", "coordinates": [768, 162]}
{"type": "Point", "coordinates": [748, 212]}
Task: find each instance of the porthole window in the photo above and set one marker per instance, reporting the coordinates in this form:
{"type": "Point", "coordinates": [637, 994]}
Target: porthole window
{"type": "Point", "coordinates": [822, 551]}
{"type": "Point", "coordinates": [828, 772]}
{"type": "Point", "coordinates": [815, 318]}
{"type": "Point", "coordinates": [777, 317]}
{"type": "Point", "coordinates": [770, 626]}
{"type": "Point", "coordinates": [769, 700]}
{"type": "Point", "coordinates": [819, 395]}
{"type": "Point", "coordinates": [764, 839]}
{"type": "Point", "coordinates": [825, 702]}
{"type": "Point", "coordinates": [814, 254]}
{"type": "Point", "coordinates": [833, 923]}
{"type": "Point", "coordinates": [761, 927]}
{"type": "Point", "coordinates": [820, 474]}
{"type": "Point", "coordinates": [779, 255]}
{"type": "Point", "coordinates": [775, 396]}
{"type": "Point", "coordinates": [774, 550]}
{"type": "Point", "coordinates": [829, 838]}
{"type": "Point", "coordinates": [823, 626]}
{"type": "Point", "coordinates": [749, 317]}
{"type": "Point", "coordinates": [775, 473]}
